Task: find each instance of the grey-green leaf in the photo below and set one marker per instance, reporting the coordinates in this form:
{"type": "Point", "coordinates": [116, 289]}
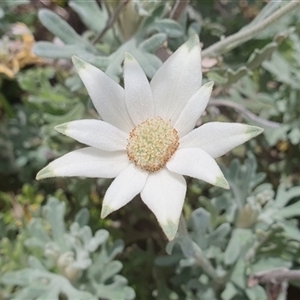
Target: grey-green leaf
{"type": "Point", "coordinates": [170, 27]}
{"type": "Point", "coordinates": [50, 50]}
{"type": "Point", "coordinates": [59, 27]}
{"type": "Point", "coordinates": [153, 43]}
{"type": "Point", "coordinates": [82, 217]}
{"type": "Point", "coordinates": [240, 238]}
{"type": "Point", "coordinates": [90, 13]}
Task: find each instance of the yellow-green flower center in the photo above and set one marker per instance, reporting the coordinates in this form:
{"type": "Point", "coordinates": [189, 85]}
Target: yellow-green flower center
{"type": "Point", "coordinates": [152, 143]}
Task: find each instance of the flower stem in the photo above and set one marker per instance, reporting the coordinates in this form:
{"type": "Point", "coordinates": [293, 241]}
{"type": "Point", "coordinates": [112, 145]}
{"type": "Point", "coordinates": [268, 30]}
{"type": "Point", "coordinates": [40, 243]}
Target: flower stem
{"type": "Point", "coordinates": [111, 20]}
{"type": "Point", "coordinates": [245, 112]}
{"type": "Point", "coordinates": [197, 253]}
{"type": "Point", "coordinates": [246, 34]}
{"type": "Point", "coordinates": [178, 9]}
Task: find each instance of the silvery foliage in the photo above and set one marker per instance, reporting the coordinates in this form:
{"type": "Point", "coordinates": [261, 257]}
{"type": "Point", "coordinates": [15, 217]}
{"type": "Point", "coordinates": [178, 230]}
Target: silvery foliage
{"type": "Point", "coordinates": [248, 229]}
{"type": "Point", "coordinates": [251, 227]}
{"type": "Point", "coordinates": [74, 262]}
{"type": "Point", "coordinates": [153, 31]}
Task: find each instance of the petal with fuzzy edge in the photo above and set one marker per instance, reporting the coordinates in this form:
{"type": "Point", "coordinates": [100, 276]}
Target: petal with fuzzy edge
{"type": "Point", "coordinates": [87, 162]}
{"type": "Point", "coordinates": [177, 80]}
{"type": "Point", "coordinates": [108, 97]}
{"type": "Point", "coordinates": [164, 194]}
{"type": "Point", "coordinates": [193, 109]}
{"type": "Point", "coordinates": [95, 133]}
{"type": "Point", "coordinates": [124, 188]}
{"type": "Point", "coordinates": [217, 138]}
{"type": "Point", "coordinates": [138, 93]}
{"type": "Point", "coordinates": [197, 163]}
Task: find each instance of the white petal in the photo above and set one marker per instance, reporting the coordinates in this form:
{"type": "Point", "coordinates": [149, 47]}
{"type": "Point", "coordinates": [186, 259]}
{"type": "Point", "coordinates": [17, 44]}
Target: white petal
{"type": "Point", "coordinates": [193, 109]}
{"type": "Point", "coordinates": [197, 163]}
{"type": "Point", "coordinates": [177, 80]}
{"type": "Point", "coordinates": [124, 188]}
{"type": "Point", "coordinates": [108, 97]}
{"type": "Point", "coordinates": [217, 138]}
{"type": "Point", "coordinates": [138, 93]}
{"type": "Point", "coordinates": [95, 133]}
{"type": "Point", "coordinates": [87, 162]}
{"type": "Point", "coordinates": [164, 194]}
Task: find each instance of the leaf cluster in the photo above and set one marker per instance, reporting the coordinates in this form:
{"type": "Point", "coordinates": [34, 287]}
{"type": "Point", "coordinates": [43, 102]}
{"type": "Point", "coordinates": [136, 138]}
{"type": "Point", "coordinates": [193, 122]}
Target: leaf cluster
{"type": "Point", "coordinates": [71, 262]}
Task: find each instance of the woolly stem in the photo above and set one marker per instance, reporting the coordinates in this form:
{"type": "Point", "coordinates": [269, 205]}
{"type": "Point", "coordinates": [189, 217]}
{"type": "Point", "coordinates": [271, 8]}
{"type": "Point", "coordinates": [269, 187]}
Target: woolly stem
{"type": "Point", "coordinates": [248, 33]}
{"type": "Point", "coordinates": [196, 252]}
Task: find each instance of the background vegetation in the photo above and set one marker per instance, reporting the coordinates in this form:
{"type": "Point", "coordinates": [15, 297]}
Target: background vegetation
{"type": "Point", "coordinates": [53, 244]}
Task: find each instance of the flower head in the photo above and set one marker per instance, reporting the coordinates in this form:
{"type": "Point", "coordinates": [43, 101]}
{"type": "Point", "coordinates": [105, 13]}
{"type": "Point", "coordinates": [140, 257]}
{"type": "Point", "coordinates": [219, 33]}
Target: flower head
{"type": "Point", "coordinates": [146, 138]}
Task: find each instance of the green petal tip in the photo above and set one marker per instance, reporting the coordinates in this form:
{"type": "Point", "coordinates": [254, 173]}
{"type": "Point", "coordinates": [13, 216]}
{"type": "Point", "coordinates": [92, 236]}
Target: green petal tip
{"type": "Point", "coordinates": [170, 230]}
{"type": "Point", "coordinates": [106, 210]}
{"type": "Point", "coordinates": [78, 62]}
{"type": "Point", "coordinates": [45, 173]}
{"type": "Point", "coordinates": [62, 128]}
{"type": "Point", "coordinates": [192, 42]}
{"type": "Point", "coordinates": [222, 182]}
{"type": "Point", "coordinates": [254, 131]}
{"type": "Point", "coordinates": [128, 56]}
{"type": "Point", "coordinates": [209, 84]}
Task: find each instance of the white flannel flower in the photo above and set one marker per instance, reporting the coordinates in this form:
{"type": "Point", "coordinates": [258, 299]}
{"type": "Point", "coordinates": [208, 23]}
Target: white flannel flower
{"type": "Point", "coordinates": [147, 139]}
